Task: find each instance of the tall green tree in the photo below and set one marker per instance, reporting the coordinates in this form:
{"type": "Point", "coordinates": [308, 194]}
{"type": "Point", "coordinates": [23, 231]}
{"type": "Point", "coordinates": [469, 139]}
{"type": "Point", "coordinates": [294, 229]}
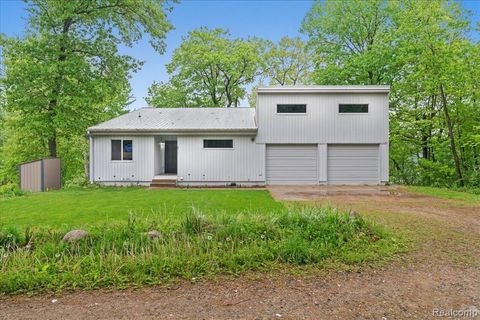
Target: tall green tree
{"type": "Point", "coordinates": [288, 62]}
{"type": "Point", "coordinates": [209, 69]}
{"type": "Point", "coordinates": [350, 41]}
{"type": "Point", "coordinates": [66, 73]}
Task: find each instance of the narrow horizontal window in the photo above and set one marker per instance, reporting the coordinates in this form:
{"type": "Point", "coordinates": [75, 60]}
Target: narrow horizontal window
{"type": "Point", "coordinates": [291, 108]}
{"type": "Point", "coordinates": [122, 150]}
{"type": "Point", "coordinates": [353, 108]}
{"type": "Point", "coordinates": [217, 143]}
{"type": "Point", "coordinates": [116, 149]}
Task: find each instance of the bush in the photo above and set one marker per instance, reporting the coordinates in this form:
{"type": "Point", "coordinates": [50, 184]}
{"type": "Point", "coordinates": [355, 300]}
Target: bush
{"type": "Point", "coordinates": [11, 190]}
{"type": "Point", "coordinates": [190, 246]}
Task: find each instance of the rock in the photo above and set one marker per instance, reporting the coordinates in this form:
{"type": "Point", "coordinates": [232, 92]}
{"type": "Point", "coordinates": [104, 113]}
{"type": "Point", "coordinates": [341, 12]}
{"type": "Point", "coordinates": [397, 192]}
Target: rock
{"type": "Point", "coordinates": [75, 235]}
{"type": "Point", "coordinates": [154, 234]}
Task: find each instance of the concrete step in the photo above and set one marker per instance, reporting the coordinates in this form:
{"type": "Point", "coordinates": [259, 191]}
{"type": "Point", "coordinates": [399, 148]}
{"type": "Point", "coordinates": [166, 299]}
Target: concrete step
{"type": "Point", "coordinates": [163, 183]}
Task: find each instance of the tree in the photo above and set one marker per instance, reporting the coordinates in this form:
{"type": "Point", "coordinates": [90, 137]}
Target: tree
{"type": "Point", "coordinates": [66, 73]}
{"type": "Point", "coordinates": [349, 41]}
{"type": "Point", "coordinates": [213, 67]}
{"type": "Point", "coordinates": [438, 71]}
{"type": "Point", "coordinates": [288, 62]}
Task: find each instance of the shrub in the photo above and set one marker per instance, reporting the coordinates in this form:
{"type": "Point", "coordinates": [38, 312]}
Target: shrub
{"type": "Point", "coordinates": [11, 190]}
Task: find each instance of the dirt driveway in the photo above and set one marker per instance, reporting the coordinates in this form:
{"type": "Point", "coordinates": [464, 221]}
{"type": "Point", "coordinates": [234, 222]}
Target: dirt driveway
{"type": "Point", "coordinates": [442, 272]}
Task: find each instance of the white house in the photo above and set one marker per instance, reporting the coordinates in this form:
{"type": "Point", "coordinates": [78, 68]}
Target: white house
{"type": "Point", "coordinates": [295, 135]}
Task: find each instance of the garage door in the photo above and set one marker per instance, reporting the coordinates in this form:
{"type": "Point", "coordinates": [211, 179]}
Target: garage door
{"type": "Point", "coordinates": [292, 164]}
{"type": "Point", "coordinates": [353, 164]}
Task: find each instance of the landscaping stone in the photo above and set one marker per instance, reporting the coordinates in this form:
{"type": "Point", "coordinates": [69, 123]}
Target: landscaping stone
{"type": "Point", "coordinates": [75, 235]}
{"type": "Point", "coordinates": [154, 234]}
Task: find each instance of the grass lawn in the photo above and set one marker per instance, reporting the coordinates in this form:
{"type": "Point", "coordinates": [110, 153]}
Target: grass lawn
{"type": "Point", "coordinates": [447, 194]}
{"type": "Point", "coordinates": [201, 233]}
{"type": "Point", "coordinates": [76, 208]}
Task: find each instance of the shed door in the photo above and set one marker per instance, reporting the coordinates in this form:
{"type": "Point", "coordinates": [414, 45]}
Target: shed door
{"type": "Point", "coordinates": [292, 164]}
{"type": "Point", "coordinates": [353, 164]}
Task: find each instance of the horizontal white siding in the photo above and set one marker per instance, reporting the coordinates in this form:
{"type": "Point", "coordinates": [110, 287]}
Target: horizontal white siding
{"type": "Point", "coordinates": [243, 163]}
{"type": "Point", "coordinates": [353, 164]}
{"type": "Point", "coordinates": [322, 123]}
{"type": "Point", "coordinates": [292, 164]}
{"type": "Point", "coordinates": [140, 169]}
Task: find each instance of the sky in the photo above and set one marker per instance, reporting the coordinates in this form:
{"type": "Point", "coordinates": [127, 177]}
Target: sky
{"type": "Point", "coordinates": [266, 19]}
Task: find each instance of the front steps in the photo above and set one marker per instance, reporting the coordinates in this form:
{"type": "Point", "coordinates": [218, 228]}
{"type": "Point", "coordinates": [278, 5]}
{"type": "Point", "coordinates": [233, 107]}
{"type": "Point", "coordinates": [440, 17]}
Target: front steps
{"type": "Point", "coordinates": [164, 182]}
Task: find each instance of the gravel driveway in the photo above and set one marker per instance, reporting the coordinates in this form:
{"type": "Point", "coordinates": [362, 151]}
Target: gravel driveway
{"type": "Point", "coordinates": [442, 272]}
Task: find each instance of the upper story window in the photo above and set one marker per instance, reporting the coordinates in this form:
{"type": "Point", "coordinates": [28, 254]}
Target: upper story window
{"type": "Point", "coordinates": [291, 108]}
{"type": "Point", "coordinates": [122, 150]}
{"type": "Point", "coordinates": [218, 143]}
{"type": "Point", "coordinates": [353, 108]}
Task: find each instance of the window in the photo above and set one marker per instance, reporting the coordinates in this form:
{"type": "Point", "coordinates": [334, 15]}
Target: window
{"type": "Point", "coordinates": [291, 108]}
{"type": "Point", "coordinates": [122, 150]}
{"type": "Point", "coordinates": [127, 150]}
{"type": "Point", "coordinates": [218, 144]}
{"type": "Point", "coordinates": [353, 108]}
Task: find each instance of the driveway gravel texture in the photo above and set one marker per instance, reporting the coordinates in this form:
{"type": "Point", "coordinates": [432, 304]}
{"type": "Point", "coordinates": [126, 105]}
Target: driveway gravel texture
{"type": "Point", "coordinates": [441, 272]}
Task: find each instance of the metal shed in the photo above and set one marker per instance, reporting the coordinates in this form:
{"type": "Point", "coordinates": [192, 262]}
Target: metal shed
{"type": "Point", "coordinates": [40, 175]}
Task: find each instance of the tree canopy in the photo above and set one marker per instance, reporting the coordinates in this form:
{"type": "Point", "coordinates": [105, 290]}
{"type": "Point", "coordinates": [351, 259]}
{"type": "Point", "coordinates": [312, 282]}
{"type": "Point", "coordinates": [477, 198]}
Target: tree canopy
{"type": "Point", "coordinates": [209, 69]}
{"type": "Point", "coordinates": [66, 74]}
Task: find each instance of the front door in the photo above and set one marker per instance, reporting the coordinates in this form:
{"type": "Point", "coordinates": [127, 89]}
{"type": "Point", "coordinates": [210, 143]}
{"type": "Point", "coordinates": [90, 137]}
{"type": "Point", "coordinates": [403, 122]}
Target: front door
{"type": "Point", "coordinates": [170, 156]}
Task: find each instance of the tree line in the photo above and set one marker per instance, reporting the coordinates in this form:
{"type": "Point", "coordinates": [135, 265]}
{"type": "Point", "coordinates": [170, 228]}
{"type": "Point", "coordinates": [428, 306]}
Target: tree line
{"type": "Point", "coordinates": [66, 74]}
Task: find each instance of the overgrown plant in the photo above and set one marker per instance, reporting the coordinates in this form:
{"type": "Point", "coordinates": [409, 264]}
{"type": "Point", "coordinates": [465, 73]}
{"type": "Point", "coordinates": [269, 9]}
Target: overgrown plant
{"type": "Point", "coordinates": [193, 245]}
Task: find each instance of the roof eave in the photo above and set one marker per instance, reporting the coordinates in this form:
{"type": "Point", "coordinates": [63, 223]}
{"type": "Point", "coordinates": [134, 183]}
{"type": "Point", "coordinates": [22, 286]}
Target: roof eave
{"type": "Point", "coordinates": [339, 89]}
{"type": "Point", "coordinates": [170, 131]}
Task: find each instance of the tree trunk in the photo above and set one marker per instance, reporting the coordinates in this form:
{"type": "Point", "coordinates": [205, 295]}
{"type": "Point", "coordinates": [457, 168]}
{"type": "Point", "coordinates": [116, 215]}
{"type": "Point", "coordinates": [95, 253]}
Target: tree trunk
{"type": "Point", "coordinates": [52, 140]}
{"type": "Point", "coordinates": [453, 148]}
{"type": "Point", "coordinates": [52, 146]}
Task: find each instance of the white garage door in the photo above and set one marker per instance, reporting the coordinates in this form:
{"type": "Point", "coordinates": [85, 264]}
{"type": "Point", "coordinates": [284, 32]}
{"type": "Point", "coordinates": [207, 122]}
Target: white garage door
{"type": "Point", "coordinates": [292, 164]}
{"type": "Point", "coordinates": [353, 164]}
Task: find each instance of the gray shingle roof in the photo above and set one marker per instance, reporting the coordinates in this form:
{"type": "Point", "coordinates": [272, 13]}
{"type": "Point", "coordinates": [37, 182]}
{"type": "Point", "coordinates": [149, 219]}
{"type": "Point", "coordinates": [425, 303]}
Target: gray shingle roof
{"type": "Point", "coordinates": [181, 120]}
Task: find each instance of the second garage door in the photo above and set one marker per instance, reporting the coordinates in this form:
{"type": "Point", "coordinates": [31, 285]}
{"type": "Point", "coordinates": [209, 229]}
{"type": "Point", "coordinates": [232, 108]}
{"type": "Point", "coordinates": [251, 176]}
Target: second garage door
{"type": "Point", "coordinates": [353, 164]}
{"type": "Point", "coordinates": [292, 164]}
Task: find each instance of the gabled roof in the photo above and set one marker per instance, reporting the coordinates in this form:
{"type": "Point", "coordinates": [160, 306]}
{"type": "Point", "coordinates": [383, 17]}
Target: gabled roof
{"type": "Point", "coordinates": [325, 89]}
{"type": "Point", "coordinates": [181, 120]}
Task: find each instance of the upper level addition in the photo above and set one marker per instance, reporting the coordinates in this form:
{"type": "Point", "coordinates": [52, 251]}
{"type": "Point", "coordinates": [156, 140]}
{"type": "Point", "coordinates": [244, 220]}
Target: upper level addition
{"type": "Point", "coordinates": [322, 114]}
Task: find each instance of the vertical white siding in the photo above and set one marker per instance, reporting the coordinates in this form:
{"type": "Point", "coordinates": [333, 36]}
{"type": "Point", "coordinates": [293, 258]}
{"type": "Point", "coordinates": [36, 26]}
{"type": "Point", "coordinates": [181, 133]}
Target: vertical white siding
{"type": "Point", "coordinates": [383, 154]}
{"type": "Point", "coordinates": [322, 123]}
{"type": "Point", "coordinates": [243, 163]}
{"type": "Point", "coordinates": [140, 169]}
{"type": "Point", "coordinates": [322, 163]}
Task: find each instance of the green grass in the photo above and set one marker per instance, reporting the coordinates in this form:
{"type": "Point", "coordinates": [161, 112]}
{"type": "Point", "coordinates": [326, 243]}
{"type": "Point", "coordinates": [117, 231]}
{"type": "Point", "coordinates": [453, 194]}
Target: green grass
{"type": "Point", "coordinates": [447, 194]}
{"type": "Point", "coordinates": [203, 233]}
{"type": "Point", "coordinates": [194, 244]}
{"type": "Point", "coordinates": [95, 206]}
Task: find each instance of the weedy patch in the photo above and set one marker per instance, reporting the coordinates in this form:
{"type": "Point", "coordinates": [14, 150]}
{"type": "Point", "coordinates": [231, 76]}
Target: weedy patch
{"type": "Point", "coordinates": [192, 245]}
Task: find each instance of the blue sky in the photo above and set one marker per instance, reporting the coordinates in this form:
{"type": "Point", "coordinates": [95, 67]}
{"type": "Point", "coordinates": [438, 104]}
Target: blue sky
{"type": "Point", "coordinates": [266, 19]}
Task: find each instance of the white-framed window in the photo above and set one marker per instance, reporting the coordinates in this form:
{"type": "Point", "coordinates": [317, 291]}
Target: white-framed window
{"type": "Point", "coordinates": [352, 108]}
{"type": "Point", "coordinates": [122, 150]}
{"type": "Point", "coordinates": [218, 143]}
